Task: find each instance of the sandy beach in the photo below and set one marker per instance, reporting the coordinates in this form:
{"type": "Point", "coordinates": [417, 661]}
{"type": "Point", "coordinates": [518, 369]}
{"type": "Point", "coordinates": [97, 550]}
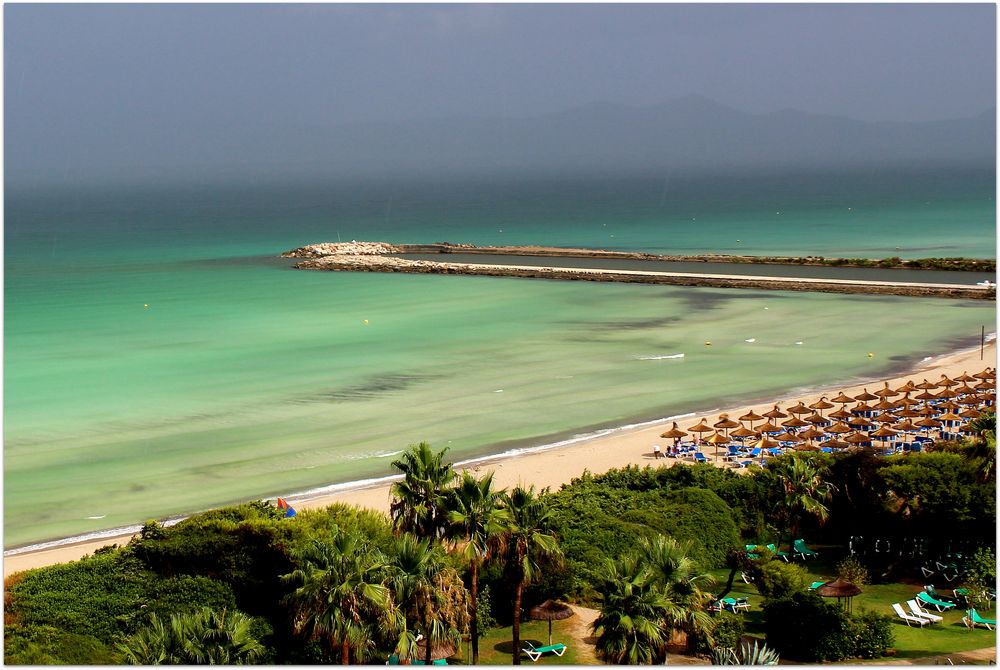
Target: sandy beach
{"type": "Point", "coordinates": [559, 465]}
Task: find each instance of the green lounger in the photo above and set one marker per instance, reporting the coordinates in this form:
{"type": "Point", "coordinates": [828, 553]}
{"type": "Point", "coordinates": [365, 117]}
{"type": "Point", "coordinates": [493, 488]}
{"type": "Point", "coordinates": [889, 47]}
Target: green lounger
{"type": "Point", "coordinates": [816, 585]}
{"type": "Point", "coordinates": [780, 554]}
{"type": "Point", "coordinates": [535, 653]}
{"type": "Point", "coordinates": [800, 549]}
{"type": "Point", "coordinates": [972, 619]}
{"type": "Point", "coordinates": [939, 605]}
{"type": "Point", "coordinates": [736, 605]}
{"type": "Point", "coordinates": [420, 661]}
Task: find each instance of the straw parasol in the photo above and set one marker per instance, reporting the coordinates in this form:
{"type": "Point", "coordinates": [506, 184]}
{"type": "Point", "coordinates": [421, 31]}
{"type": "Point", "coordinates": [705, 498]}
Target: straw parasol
{"type": "Point", "coordinates": [725, 423]}
{"type": "Point", "coordinates": [857, 438]}
{"type": "Point", "coordinates": [768, 427]}
{"type": "Point", "coordinates": [965, 389]}
{"type": "Point", "coordinates": [908, 412]}
{"type": "Point", "coordinates": [716, 439]}
{"type": "Point", "coordinates": [439, 650]}
{"type": "Point", "coordinates": [925, 395]}
{"type": "Point", "coordinates": [842, 399]}
{"type": "Point", "coordinates": [775, 414]}
{"type": "Point", "coordinates": [836, 444]}
{"type": "Point", "coordinates": [883, 433]}
{"type": "Point", "coordinates": [674, 432]}
{"type": "Point", "coordinates": [794, 422]}
{"type": "Point", "coordinates": [811, 433]}
{"type": "Point", "coordinates": [743, 431]}
{"type": "Point", "coordinates": [971, 413]}
{"type": "Point", "coordinates": [839, 414]}
{"type": "Point", "coordinates": [765, 443]}
{"type": "Point", "coordinates": [907, 387]}
{"type": "Point", "coordinates": [861, 407]}
{"type": "Point", "coordinates": [787, 437]}
{"type": "Point", "coordinates": [551, 610]}
{"type": "Point", "coordinates": [859, 421]}
{"type": "Point", "coordinates": [700, 427]}
{"type": "Point", "coordinates": [865, 396]}
{"type": "Point", "coordinates": [751, 416]}
{"type": "Point", "coordinates": [840, 589]}
{"type": "Point", "coordinates": [816, 419]}
{"type": "Point", "coordinates": [821, 404]}
{"type": "Point", "coordinates": [906, 401]}
{"type": "Point", "coordinates": [984, 374]}
{"type": "Point", "coordinates": [907, 426]}
{"type": "Point", "coordinates": [805, 447]}
{"type": "Point", "coordinates": [928, 424]}
{"type": "Point", "coordinates": [839, 428]}
{"type": "Point", "coordinates": [926, 385]}
{"type": "Point", "coordinates": [985, 385]}
{"type": "Point", "coordinates": [886, 417]}
{"type": "Point", "coordinates": [945, 382]}
{"type": "Point", "coordinates": [946, 394]}
{"type": "Point", "coordinates": [965, 377]}
{"type": "Point", "coordinates": [800, 409]}
{"type": "Point", "coordinates": [885, 404]}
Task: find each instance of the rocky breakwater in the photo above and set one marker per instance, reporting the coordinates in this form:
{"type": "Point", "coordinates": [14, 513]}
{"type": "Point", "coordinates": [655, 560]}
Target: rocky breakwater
{"type": "Point", "coordinates": [370, 257]}
{"type": "Point", "coordinates": [352, 248]}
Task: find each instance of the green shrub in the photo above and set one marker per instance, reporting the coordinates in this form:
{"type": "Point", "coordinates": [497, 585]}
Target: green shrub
{"type": "Point", "coordinates": [48, 645]}
{"type": "Point", "coordinates": [804, 628]}
{"type": "Point", "coordinates": [872, 633]}
{"type": "Point", "coordinates": [727, 629]}
{"type": "Point", "coordinates": [851, 570]}
{"type": "Point", "coordinates": [777, 579]}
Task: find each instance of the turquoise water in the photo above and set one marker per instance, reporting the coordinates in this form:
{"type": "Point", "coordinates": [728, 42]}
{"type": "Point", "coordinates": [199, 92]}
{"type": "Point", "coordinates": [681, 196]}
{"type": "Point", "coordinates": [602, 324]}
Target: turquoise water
{"type": "Point", "coordinates": [243, 378]}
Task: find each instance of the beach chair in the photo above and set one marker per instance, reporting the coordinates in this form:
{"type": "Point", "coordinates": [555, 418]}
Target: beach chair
{"type": "Point", "coordinates": [784, 555]}
{"type": "Point", "coordinates": [915, 610]}
{"type": "Point", "coordinates": [800, 549]}
{"type": "Point", "coordinates": [816, 585]}
{"type": "Point", "coordinates": [751, 550]}
{"type": "Point", "coordinates": [939, 605]}
{"type": "Point", "coordinates": [972, 619]}
{"type": "Point", "coordinates": [392, 660]}
{"type": "Point", "coordinates": [909, 618]}
{"type": "Point", "coordinates": [535, 653]}
{"type": "Point", "coordinates": [736, 604]}
{"type": "Point", "coordinates": [700, 457]}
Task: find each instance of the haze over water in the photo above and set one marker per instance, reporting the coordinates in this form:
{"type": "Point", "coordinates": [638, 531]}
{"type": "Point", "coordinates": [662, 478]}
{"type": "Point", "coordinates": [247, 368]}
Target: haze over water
{"type": "Point", "coordinates": [245, 379]}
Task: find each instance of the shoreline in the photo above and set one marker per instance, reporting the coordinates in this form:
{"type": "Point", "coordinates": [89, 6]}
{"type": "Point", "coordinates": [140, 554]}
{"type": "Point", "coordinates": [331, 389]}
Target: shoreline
{"type": "Point", "coordinates": [548, 464]}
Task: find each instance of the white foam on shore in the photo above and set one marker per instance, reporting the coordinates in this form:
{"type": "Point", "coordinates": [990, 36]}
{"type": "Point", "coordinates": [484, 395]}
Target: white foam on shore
{"type": "Point", "coordinates": [87, 537]}
{"type": "Point", "coordinates": [659, 358]}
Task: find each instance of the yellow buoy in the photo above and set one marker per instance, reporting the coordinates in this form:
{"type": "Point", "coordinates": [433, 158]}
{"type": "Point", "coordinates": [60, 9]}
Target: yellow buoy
{"type": "Point", "coordinates": [871, 355]}
{"type": "Point", "coordinates": [365, 322]}
{"type": "Point", "coordinates": [145, 306]}
{"type": "Point", "coordinates": [708, 344]}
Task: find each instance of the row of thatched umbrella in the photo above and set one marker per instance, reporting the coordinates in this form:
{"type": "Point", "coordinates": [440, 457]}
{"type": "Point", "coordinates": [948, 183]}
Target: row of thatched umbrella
{"type": "Point", "coordinates": [851, 426]}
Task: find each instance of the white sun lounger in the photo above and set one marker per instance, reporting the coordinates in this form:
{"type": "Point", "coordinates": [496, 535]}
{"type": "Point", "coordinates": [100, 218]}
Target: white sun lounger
{"type": "Point", "coordinates": [909, 618]}
{"type": "Point", "coordinates": [923, 614]}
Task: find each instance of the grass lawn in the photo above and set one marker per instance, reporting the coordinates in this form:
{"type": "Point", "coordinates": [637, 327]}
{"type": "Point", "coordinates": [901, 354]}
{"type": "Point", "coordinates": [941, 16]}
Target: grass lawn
{"type": "Point", "coordinates": [496, 648]}
{"type": "Point", "coordinates": [949, 636]}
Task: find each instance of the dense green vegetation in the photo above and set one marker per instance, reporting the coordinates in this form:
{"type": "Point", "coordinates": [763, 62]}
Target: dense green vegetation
{"type": "Point", "coordinates": [461, 563]}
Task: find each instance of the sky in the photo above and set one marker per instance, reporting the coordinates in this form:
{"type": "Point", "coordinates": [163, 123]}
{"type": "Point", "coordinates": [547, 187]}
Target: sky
{"type": "Point", "coordinates": [85, 80]}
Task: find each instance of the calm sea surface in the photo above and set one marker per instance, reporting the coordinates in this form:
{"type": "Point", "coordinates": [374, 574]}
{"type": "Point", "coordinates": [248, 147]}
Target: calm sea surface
{"type": "Point", "coordinates": [159, 359]}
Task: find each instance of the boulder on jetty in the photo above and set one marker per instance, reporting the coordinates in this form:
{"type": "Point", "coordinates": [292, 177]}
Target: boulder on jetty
{"type": "Point", "coordinates": [352, 248]}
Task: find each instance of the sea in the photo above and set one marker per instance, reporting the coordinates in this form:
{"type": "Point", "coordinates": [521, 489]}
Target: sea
{"type": "Point", "coordinates": [161, 359]}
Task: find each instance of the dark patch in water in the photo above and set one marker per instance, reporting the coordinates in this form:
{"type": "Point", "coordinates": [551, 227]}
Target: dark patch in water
{"type": "Point", "coordinates": [901, 359]}
{"type": "Point", "coordinates": [375, 387]}
{"type": "Point", "coordinates": [701, 300]}
{"type": "Point", "coordinates": [638, 324]}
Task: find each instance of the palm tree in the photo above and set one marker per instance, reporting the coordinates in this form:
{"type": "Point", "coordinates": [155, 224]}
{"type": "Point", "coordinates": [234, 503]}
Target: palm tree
{"type": "Point", "coordinates": [802, 491]}
{"type": "Point", "coordinates": [631, 627]}
{"type": "Point", "coordinates": [527, 539]}
{"type": "Point", "coordinates": [983, 445]}
{"type": "Point", "coordinates": [676, 575]}
{"type": "Point", "coordinates": [341, 594]}
{"type": "Point", "coordinates": [431, 595]}
{"type": "Point", "coordinates": [418, 504]}
{"type": "Point", "coordinates": [477, 519]}
{"type": "Point", "coordinates": [206, 637]}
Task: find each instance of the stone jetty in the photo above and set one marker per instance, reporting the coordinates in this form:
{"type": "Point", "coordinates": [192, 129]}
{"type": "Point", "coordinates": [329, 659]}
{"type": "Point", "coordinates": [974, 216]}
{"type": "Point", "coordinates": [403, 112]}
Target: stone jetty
{"type": "Point", "coordinates": [376, 257]}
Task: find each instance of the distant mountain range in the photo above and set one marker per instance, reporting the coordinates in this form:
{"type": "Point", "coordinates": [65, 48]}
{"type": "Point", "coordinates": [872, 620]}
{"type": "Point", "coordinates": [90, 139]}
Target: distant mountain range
{"type": "Point", "coordinates": [690, 133]}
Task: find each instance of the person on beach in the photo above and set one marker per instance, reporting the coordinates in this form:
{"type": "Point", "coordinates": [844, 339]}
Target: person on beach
{"type": "Point", "coordinates": [656, 451]}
